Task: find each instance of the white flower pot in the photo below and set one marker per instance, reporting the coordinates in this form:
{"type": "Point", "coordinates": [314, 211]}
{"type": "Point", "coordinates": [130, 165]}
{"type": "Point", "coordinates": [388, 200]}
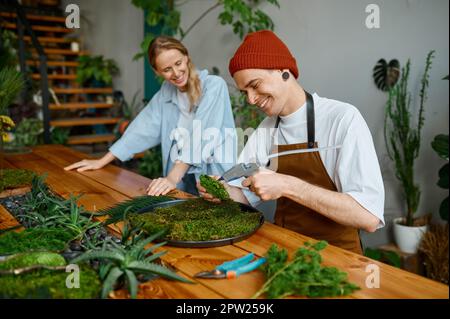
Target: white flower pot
{"type": "Point", "coordinates": [408, 238]}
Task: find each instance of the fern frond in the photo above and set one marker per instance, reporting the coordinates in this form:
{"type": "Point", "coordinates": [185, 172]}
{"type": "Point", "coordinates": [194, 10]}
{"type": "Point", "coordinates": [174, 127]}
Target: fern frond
{"type": "Point", "coordinates": [117, 211]}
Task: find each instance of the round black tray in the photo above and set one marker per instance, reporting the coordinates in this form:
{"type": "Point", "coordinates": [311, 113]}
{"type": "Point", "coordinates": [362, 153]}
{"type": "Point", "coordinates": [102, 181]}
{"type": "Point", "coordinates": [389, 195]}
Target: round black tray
{"type": "Point", "coordinates": [206, 243]}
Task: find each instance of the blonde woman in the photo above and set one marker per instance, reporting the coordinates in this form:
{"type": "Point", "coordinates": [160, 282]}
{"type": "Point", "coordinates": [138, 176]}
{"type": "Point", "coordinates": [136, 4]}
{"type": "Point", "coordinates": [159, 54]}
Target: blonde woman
{"type": "Point", "coordinates": [188, 99]}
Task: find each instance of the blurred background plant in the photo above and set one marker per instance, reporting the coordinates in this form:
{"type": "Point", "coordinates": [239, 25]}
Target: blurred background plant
{"type": "Point", "coordinates": [151, 164]}
{"type": "Point", "coordinates": [127, 111]}
{"type": "Point", "coordinates": [242, 16]}
{"type": "Point", "coordinates": [96, 70]}
{"type": "Point", "coordinates": [29, 132]}
{"type": "Point", "coordinates": [11, 83]}
{"type": "Point", "coordinates": [8, 53]}
{"type": "Point", "coordinates": [59, 135]}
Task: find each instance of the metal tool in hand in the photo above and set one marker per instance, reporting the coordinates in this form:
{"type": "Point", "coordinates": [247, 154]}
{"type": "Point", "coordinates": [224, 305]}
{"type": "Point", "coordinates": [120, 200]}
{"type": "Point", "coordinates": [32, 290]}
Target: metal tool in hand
{"type": "Point", "coordinates": [246, 170]}
{"type": "Point", "coordinates": [232, 269]}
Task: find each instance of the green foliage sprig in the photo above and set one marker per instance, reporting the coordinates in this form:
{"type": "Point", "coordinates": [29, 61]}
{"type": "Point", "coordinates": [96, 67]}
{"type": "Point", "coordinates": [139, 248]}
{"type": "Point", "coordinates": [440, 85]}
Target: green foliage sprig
{"type": "Point", "coordinates": [303, 275]}
{"type": "Point", "coordinates": [402, 138]}
{"type": "Point", "coordinates": [214, 187]}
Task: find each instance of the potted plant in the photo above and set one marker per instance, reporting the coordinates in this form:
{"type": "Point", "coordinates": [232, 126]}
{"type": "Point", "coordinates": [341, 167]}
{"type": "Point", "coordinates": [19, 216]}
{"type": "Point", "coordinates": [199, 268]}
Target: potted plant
{"type": "Point", "coordinates": [402, 139]}
{"type": "Point", "coordinates": [96, 70]}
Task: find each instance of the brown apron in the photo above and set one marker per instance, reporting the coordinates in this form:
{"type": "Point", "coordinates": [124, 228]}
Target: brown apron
{"type": "Point", "coordinates": [310, 168]}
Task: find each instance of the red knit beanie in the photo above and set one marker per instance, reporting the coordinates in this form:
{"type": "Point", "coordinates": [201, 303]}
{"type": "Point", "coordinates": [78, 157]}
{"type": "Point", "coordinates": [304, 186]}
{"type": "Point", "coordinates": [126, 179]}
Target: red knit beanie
{"type": "Point", "coordinates": [263, 50]}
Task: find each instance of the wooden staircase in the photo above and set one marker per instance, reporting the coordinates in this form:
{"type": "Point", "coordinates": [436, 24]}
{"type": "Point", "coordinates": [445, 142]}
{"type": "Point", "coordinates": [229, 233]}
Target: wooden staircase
{"type": "Point", "coordinates": [87, 111]}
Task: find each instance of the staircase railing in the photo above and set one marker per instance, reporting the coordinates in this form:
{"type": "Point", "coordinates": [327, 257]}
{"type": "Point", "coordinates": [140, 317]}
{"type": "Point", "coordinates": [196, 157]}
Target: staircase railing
{"type": "Point", "coordinates": [22, 26]}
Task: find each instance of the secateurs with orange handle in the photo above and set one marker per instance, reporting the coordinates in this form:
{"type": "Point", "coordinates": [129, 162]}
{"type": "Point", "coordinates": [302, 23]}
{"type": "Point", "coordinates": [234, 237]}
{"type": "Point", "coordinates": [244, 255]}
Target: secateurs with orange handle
{"type": "Point", "coordinates": [233, 268]}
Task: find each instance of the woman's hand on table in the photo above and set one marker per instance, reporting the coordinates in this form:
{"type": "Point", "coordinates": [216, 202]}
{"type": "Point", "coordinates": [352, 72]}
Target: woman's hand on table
{"type": "Point", "coordinates": [85, 165]}
{"type": "Point", "coordinates": [91, 164]}
{"type": "Point", "coordinates": [160, 186]}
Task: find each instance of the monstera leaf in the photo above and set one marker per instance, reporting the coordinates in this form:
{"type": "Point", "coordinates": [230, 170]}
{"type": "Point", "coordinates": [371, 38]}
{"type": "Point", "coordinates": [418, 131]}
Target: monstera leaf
{"type": "Point", "coordinates": [386, 74]}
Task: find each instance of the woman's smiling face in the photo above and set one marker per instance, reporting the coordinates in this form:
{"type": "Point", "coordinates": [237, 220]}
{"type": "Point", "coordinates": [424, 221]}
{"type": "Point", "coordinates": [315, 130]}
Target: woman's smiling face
{"type": "Point", "coordinates": [172, 65]}
{"type": "Point", "coordinates": [263, 88]}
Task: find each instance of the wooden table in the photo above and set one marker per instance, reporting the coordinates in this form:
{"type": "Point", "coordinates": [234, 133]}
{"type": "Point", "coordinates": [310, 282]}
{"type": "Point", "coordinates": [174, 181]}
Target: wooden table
{"type": "Point", "coordinates": [105, 187]}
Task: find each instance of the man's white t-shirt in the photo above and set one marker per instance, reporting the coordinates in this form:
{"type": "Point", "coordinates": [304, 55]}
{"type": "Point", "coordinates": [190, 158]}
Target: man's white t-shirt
{"type": "Point", "coordinates": [353, 166]}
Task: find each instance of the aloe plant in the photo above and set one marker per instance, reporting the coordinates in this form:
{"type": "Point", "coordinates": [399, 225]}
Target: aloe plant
{"type": "Point", "coordinates": [46, 210]}
{"type": "Point", "coordinates": [123, 262]}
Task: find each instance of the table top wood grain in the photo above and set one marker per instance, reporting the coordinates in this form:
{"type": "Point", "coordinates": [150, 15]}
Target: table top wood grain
{"type": "Point", "coordinates": [110, 185]}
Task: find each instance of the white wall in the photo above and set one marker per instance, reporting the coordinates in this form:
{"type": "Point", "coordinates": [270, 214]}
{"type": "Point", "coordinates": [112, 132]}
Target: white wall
{"type": "Point", "coordinates": [336, 53]}
{"type": "Point", "coordinates": [114, 29]}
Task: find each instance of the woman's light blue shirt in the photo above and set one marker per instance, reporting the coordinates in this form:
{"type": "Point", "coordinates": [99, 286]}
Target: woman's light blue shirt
{"type": "Point", "coordinates": [156, 123]}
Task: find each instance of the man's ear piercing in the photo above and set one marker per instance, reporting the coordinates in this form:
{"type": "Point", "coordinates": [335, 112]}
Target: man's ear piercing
{"type": "Point", "coordinates": [285, 75]}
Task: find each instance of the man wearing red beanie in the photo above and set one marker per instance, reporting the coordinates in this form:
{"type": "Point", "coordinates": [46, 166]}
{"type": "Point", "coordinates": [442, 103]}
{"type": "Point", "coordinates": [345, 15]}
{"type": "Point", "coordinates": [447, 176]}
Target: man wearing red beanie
{"type": "Point", "coordinates": [329, 184]}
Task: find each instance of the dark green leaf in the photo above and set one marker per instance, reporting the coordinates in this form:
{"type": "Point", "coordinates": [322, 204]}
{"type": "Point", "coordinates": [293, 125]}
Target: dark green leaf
{"type": "Point", "coordinates": [144, 267]}
{"type": "Point", "coordinates": [440, 145]}
{"type": "Point", "coordinates": [132, 283]}
{"type": "Point", "coordinates": [112, 278]}
{"type": "Point", "coordinates": [443, 177]}
{"type": "Point", "coordinates": [443, 209]}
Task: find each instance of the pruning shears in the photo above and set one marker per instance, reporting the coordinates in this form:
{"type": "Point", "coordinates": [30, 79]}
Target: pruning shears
{"type": "Point", "coordinates": [248, 169]}
{"type": "Point", "coordinates": [233, 268]}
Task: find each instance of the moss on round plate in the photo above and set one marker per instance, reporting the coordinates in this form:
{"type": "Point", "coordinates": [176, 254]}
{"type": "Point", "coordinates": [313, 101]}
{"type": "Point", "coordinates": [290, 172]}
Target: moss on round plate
{"type": "Point", "coordinates": [198, 220]}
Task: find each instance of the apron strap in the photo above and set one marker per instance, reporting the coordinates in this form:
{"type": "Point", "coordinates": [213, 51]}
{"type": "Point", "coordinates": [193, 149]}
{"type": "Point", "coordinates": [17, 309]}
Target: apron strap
{"type": "Point", "coordinates": [309, 118]}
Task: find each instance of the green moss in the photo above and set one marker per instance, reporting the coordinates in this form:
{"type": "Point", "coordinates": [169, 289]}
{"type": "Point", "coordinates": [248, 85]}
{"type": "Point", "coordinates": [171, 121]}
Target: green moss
{"type": "Point", "coordinates": [34, 239]}
{"type": "Point", "coordinates": [14, 178]}
{"type": "Point", "coordinates": [44, 283]}
{"type": "Point", "coordinates": [32, 259]}
{"type": "Point", "coordinates": [198, 220]}
{"type": "Point", "coordinates": [214, 187]}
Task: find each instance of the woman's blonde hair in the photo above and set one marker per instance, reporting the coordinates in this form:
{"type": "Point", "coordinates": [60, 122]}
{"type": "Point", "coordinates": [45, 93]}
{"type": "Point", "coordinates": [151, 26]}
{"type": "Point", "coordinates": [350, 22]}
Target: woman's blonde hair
{"type": "Point", "coordinates": [163, 43]}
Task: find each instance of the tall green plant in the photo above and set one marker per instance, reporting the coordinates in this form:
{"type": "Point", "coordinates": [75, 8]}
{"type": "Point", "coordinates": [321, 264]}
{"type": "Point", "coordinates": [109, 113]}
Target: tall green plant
{"type": "Point", "coordinates": [242, 15]}
{"type": "Point", "coordinates": [403, 137]}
